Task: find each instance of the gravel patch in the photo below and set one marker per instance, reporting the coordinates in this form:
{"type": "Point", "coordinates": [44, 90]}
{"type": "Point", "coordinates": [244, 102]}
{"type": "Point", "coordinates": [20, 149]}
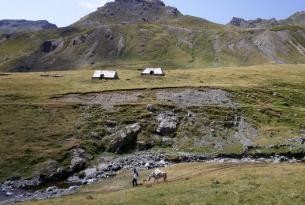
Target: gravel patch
{"type": "Point", "coordinates": [196, 97]}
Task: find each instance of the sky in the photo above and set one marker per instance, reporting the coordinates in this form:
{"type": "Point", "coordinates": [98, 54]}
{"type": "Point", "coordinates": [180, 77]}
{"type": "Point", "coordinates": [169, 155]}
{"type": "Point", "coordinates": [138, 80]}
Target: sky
{"type": "Point", "coordinates": [66, 12]}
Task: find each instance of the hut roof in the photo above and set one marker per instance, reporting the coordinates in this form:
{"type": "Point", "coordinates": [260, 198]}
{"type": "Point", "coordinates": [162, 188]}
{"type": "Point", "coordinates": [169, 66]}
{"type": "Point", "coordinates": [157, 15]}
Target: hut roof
{"type": "Point", "coordinates": [105, 74]}
{"type": "Point", "coordinates": [153, 71]}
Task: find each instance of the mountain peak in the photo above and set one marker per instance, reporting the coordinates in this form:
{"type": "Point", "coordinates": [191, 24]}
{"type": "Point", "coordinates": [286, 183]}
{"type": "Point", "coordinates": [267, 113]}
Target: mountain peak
{"type": "Point", "coordinates": [130, 11]}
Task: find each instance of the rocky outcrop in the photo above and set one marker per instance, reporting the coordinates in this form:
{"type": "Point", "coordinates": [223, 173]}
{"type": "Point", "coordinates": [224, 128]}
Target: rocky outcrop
{"type": "Point", "coordinates": [296, 19]}
{"type": "Point", "coordinates": [124, 140]}
{"type": "Point", "coordinates": [134, 11]}
{"type": "Point", "coordinates": [51, 45]}
{"type": "Point", "coordinates": [14, 26]}
{"type": "Point", "coordinates": [257, 23]}
{"type": "Point", "coordinates": [167, 123]}
{"type": "Point", "coordinates": [79, 159]}
{"type": "Point", "coordinates": [51, 170]}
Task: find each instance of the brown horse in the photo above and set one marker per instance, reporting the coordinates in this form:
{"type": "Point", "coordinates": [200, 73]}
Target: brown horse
{"type": "Point", "coordinates": [158, 174]}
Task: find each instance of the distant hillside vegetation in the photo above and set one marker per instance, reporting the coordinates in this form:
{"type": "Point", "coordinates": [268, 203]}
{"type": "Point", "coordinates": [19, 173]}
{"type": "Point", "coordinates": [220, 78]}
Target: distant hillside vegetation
{"type": "Point", "coordinates": [139, 33]}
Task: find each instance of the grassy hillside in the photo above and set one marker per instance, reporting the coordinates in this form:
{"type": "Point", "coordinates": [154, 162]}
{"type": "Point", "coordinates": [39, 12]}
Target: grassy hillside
{"type": "Point", "coordinates": [36, 127]}
{"type": "Point", "coordinates": [182, 42]}
{"type": "Point", "coordinates": [200, 184]}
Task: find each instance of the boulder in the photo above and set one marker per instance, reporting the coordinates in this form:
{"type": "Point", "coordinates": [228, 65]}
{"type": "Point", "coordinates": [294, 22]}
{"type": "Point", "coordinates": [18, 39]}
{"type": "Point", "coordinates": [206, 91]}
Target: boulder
{"type": "Point", "coordinates": [167, 123]}
{"type": "Point", "coordinates": [77, 164]}
{"type": "Point", "coordinates": [150, 108]}
{"type": "Point", "coordinates": [52, 171]}
{"type": "Point", "coordinates": [144, 145]}
{"type": "Point", "coordinates": [52, 190]}
{"type": "Point", "coordinates": [90, 173]}
{"type": "Point", "coordinates": [79, 159]}
{"type": "Point", "coordinates": [125, 139]}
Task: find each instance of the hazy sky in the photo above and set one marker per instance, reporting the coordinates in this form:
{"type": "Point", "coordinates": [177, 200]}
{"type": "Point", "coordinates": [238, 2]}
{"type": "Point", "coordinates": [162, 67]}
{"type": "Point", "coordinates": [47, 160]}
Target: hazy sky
{"type": "Point", "coordinates": [66, 12]}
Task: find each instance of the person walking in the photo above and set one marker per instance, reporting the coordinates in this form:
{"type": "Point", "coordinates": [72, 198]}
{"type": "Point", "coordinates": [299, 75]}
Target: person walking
{"type": "Point", "coordinates": [135, 177]}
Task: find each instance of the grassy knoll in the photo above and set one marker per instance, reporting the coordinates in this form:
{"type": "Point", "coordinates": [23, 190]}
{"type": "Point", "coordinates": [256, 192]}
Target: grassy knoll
{"type": "Point", "coordinates": [201, 184]}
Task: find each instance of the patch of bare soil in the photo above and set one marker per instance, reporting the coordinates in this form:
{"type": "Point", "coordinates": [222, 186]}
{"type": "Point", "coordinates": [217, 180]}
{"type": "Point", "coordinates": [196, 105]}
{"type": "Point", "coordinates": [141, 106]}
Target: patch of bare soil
{"type": "Point", "coordinates": [106, 99]}
{"type": "Point", "coordinates": [183, 97]}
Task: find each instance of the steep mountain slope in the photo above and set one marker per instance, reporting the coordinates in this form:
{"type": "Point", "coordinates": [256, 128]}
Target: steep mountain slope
{"type": "Point", "coordinates": [13, 26]}
{"type": "Point", "coordinates": [137, 33]}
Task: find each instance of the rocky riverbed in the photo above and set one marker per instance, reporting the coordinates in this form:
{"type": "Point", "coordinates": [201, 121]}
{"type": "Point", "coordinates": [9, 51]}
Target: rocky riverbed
{"type": "Point", "coordinates": [16, 190]}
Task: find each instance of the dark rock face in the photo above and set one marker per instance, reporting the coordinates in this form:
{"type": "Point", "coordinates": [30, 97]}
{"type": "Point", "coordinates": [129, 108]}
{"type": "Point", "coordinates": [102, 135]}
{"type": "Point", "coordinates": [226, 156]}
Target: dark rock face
{"type": "Point", "coordinates": [125, 139]}
{"type": "Point", "coordinates": [51, 45]}
{"type": "Point", "coordinates": [257, 23]}
{"type": "Point", "coordinates": [14, 26]}
{"type": "Point", "coordinates": [52, 171]}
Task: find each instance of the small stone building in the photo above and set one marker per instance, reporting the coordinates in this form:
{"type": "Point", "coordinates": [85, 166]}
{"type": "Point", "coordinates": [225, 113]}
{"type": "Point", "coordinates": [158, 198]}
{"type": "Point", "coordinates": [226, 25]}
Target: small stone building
{"type": "Point", "coordinates": [153, 71]}
{"type": "Point", "coordinates": [105, 74]}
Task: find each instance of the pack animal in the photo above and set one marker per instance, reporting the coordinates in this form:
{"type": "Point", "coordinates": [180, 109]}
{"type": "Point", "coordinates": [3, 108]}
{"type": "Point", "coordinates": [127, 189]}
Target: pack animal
{"type": "Point", "coordinates": [157, 174]}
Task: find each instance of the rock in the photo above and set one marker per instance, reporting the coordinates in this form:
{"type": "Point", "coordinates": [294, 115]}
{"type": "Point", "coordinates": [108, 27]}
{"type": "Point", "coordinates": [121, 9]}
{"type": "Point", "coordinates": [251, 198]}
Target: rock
{"type": "Point", "coordinates": [51, 45]}
{"type": "Point", "coordinates": [257, 23]}
{"type": "Point", "coordinates": [125, 139]}
{"type": "Point", "coordinates": [8, 193]}
{"type": "Point", "coordinates": [300, 140]}
{"type": "Point", "coordinates": [52, 171]}
{"type": "Point", "coordinates": [79, 40]}
{"type": "Point", "coordinates": [167, 123]}
{"type": "Point", "coordinates": [52, 189]}
{"type": "Point", "coordinates": [79, 158]}
{"type": "Point", "coordinates": [90, 173]}
{"type": "Point", "coordinates": [103, 166]}
{"type": "Point", "coordinates": [73, 188]}
{"type": "Point", "coordinates": [190, 114]}
{"type": "Point", "coordinates": [144, 145]}
{"type": "Point", "coordinates": [167, 142]}
{"type": "Point", "coordinates": [150, 108]}
{"type": "Point", "coordinates": [78, 164]}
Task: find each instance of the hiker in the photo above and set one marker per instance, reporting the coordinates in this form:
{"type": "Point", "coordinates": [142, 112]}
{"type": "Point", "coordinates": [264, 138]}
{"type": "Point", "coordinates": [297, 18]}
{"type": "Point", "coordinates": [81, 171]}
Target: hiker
{"type": "Point", "coordinates": [135, 177]}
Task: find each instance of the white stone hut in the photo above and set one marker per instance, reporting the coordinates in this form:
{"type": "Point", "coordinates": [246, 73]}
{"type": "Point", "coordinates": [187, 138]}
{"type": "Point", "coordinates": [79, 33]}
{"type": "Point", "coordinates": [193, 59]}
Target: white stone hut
{"type": "Point", "coordinates": [153, 71]}
{"type": "Point", "coordinates": [105, 74]}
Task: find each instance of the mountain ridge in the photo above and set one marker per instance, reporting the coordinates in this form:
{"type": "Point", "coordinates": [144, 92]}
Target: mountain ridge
{"type": "Point", "coordinates": [21, 25]}
{"type": "Point", "coordinates": [137, 33]}
{"type": "Point", "coordinates": [297, 18]}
